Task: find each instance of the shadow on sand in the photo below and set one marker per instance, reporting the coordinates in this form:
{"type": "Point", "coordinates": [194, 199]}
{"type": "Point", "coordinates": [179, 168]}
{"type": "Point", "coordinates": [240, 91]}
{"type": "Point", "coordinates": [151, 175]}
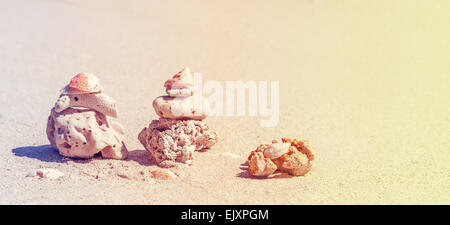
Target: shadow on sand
{"type": "Point", "coordinates": [142, 157]}
{"type": "Point", "coordinates": [44, 153]}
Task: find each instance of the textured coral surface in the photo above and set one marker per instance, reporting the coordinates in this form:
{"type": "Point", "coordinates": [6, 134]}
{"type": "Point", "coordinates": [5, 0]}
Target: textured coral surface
{"type": "Point", "coordinates": [84, 132]}
{"type": "Point", "coordinates": [296, 162]}
{"type": "Point", "coordinates": [175, 140]}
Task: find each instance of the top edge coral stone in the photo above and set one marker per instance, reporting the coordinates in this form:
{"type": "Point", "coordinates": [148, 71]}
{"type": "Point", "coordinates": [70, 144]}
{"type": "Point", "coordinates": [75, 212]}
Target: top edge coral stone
{"type": "Point", "coordinates": [180, 80]}
{"type": "Point", "coordinates": [83, 83]}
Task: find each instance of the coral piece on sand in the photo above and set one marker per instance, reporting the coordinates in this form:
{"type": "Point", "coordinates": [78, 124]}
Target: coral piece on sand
{"type": "Point", "coordinates": [83, 83]}
{"type": "Point", "coordinates": [303, 146]}
{"type": "Point", "coordinates": [97, 101]}
{"type": "Point", "coordinates": [82, 133]}
{"type": "Point", "coordinates": [181, 102]}
{"type": "Point", "coordinates": [179, 92]}
{"type": "Point", "coordinates": [84, 90]}
{"type": "Point", "coordinates": [258, 165]}
{"type": "Point", "coordinates": [171, 141]}
{"type": "Point", "coordinates": [290, 156]}
{"type": "Point", "coordinates": [180, 130]}
{"type": "Point", "coordinates": [46, 173]}
{"type": "Point", "coordinates": [181, 84]}
{"type": "Point", "coordinates": [78, 125]}
{"type": "Point", "coordinates": [163, 174]}
{"type": "Point", "coordinates": [293, 162]}
{"type": "Point", "coordinates": [276, 150]}
{"type": "Point", "coordinates": [187, 108]}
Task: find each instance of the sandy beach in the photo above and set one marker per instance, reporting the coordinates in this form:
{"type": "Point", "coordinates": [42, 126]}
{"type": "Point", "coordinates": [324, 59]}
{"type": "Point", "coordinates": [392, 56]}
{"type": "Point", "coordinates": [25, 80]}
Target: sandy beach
{"type": "Point", "coordinates": [366, 82]}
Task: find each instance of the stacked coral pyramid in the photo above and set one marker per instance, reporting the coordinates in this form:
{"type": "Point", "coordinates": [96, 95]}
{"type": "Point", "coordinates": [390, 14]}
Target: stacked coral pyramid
{"type": "Point", "coordinates": [81, 124]}
{"type": "Point", "coordinates": [180, 131]}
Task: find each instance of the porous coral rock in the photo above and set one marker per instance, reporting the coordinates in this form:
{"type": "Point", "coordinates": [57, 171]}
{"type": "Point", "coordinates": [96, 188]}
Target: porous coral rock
{"type": "Point", "coordinates": [96, 101]}
{"type": "Point", "coordinates": [296, 161]}
{"type": "Point", "coordinates": [258, 165]}
{"type": "Point", "coordinates": [293, 162]}
{"type": "Point", "coordinates": [82, 133]}
{"type": "Point", "coordinates": [171, 141]}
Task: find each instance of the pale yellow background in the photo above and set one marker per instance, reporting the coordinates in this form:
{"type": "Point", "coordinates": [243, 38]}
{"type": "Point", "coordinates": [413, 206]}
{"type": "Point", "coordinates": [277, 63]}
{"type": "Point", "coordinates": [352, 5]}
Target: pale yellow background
{"type": "Point", "coordinates": [367, 82]}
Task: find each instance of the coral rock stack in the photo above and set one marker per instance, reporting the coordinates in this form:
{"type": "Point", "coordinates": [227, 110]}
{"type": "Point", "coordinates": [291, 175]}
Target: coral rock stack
{"type": "Point", "coordinates": [180, 130]}
{"type": "Point", "coordinates": [81, 124]}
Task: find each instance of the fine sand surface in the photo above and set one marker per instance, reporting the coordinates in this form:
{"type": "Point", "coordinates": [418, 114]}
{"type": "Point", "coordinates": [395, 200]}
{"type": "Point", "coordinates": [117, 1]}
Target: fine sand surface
{"type": "Point", "coordinates": [366, 82]}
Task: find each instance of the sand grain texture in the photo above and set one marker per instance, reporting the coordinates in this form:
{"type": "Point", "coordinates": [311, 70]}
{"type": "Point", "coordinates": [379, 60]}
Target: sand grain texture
{"type": "Point", "coordinates": [365, 82]}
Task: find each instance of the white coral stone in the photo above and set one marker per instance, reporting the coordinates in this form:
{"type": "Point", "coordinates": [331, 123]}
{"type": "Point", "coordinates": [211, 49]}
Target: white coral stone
{"type": "Point", "coordinates": [276, 150]}
{"type": "Point", "coordinates": [46, 173]}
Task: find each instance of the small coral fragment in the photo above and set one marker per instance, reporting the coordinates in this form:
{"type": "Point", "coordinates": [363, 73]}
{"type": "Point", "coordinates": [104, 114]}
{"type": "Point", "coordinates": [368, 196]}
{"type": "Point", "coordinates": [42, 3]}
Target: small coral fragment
{"type": "Point", "coordinates": [260, 166]}
{"type": "Point", "coordinates": [293, 162]}
{"type": "Point", "coordinates": [83, 83]}
{"type": "Point", "coordinates": [289, 156]}
{"type": "Point", "coordinates": [276, 150]}
{"type": "Point", "coordinates": [162, 174]}
{"type": "Point", "coordinates": [49, 173]}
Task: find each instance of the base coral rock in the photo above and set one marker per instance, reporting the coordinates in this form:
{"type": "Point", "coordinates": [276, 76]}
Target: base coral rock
{"type": "Point", "coordinates": [82, 133]}
{"type": "Point", "coordinates": [171, 141]}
